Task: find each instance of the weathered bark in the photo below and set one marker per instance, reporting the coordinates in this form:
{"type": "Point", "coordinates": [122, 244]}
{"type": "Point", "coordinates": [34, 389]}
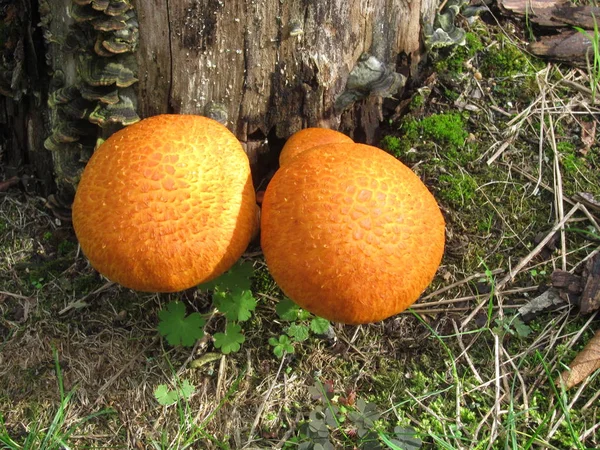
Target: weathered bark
{"type": "Point", "coordinates": [271, 81]}
{"type": "Point", "coordinates": [568, 46]}
{"type": "Point", "coordinates": [22, 124]}
{"type": "Point", "coordinates": [272, 67]}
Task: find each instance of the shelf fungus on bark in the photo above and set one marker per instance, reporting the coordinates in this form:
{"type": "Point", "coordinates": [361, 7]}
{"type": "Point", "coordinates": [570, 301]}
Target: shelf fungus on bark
{"type": "Point", "coordinates": [105, 94]}
{"type": "Point", "coordinates": [122, 112]}
{"type": "Point", "coordinates": [107, 71]}
{"type": "Point", "coordinates": [443, 32]}
{"type": "Point", "coordinates": [98, 99]}
{"type": "Point", "coordinates": [369, 77]}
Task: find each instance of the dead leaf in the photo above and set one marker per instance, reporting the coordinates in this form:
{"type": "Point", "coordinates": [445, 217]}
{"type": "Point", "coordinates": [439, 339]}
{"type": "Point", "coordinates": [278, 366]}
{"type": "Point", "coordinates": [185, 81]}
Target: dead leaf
{"type": "Point", "coordinates": [584, 364]}
{"type": "Point", "coordinates": [6, 185]}
{"type": "Point", "coordinates": [588, 136]}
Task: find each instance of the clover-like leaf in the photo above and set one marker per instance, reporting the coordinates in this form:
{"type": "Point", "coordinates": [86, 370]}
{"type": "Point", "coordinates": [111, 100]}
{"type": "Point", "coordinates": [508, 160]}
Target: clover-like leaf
{"type": "Point", "coordinates": [237, 306]}
{"type": "Point", "coordinates": [236, 279]}
{"type": "Point", "coordinates": [231, 340]}
{"type": "Point", "coordinates": [287, 309]}
{"type": "Point", "coordinates": [166, 396]}
{"type": "Point", "coordinates": [297, 332]}
{"type": "Point", "coordinates": [179, 329]}
{"type": "Point", "coordinates": [281, 346]}
{"type": "Point", "coordinates": [365, 416]}
{"type": "Point", "coordinates": [319, 325]}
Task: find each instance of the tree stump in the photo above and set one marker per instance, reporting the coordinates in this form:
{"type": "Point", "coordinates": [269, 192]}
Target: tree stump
{"type": "Point", "coordinates": [265, 68]}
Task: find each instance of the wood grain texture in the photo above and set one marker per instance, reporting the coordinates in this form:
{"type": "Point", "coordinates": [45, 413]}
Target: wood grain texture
{"type": "Point", "coordinates": [241, 54]}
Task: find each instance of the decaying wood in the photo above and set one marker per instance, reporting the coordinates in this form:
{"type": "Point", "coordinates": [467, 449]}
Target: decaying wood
{"type": "Point", "coordinates": [568, 46]}
{"type": "Point", "coordinates": [274, 66]}
{"type": "Point", "coordinates": [590, 297]}
{"type": "Point", "coordinates": [568, 285]}
{"type": "Point", "coordinates": [540, 12]}
{"type": "Point", "coordinates": [552, 13]}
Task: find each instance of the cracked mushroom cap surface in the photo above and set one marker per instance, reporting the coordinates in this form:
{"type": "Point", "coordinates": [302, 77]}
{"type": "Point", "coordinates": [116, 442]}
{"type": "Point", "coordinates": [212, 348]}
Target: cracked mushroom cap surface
{"type": "Point", "coordinates": [350, 233]}
{"type": "Point", "coordinates": [166, 204]}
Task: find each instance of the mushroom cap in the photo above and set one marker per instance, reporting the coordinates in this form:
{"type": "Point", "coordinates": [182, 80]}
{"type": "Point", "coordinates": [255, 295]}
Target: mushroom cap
{"type": "Point", "coordinates": [350, 233]}
{"type": "Point", "coordinates": [166, 204]}
{"type": "Point", "coordinates": [308, 138]}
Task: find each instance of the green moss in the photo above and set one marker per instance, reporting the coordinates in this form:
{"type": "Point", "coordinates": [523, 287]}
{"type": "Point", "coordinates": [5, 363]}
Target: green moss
{"type": "Point", "coordinates": [393, 145]}
{"type": "Point", "coordinates": [448, 128]}
{"type": "Point", "coordinates": [457, 188]}
{"type": "Point", "coordinates": [66, 247]}
{"type": "Point", "coordinates": [506, 61]}
{"type": "Point", "coordinates": [417, 102]}
{"type": "Point", "coordinates": [452, 63]}
{"type": "Point", "coordinates": [568, 157]}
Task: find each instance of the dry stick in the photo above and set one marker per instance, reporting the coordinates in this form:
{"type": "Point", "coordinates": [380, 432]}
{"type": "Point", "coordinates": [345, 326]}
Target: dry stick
{"type": "Point", "coordinates": [460, 283]}
{"type": "Point", "coordinates": [264, 403]}
{"type": "Point", "coordinates": [461, 344]}
{"type": "Point", "coordinates": [584, 260]}
{"type": "Point", "coordinates": [521, 380]}
{"type": "Point", "coordinates": [221, 377]}
{"type": "Point", "coordinates": [589, 432]}
{"type": "Point", "coordinates": [591, 401]}
{"type": "Point", "coordinates": [579, 87]}
{"type": "Point", "coordinates": [542, 122]}
{"type": "Point", "coordinates": [559, 202]}
{"type": "Point", "coordinates": [19, 296]}
{"type": "Point", "coordinates": [80, 303]}
{"type": "Point", "coordinates": [445, 310]}
{"type": "Point", "coordinates": [500, 150]}
{"type": "Point", "coordinates": [524, 261]}
{"type": "Point", "coordinates": [476, 297]}
{"type": "Point", "coordinates": [496, 415]}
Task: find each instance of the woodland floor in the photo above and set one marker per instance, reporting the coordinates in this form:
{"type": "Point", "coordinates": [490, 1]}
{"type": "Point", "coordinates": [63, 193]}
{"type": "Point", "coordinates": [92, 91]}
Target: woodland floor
{"type": "Point", "coordinates": [81, 359]}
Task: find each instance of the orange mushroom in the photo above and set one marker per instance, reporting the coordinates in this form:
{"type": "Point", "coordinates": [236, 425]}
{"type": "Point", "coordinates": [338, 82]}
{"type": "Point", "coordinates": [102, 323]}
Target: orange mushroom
{"type": "Point", "coordinates": [350, 233]}
{"type": "Point", "coordinates": [166, 204]}
{"type": "Point", "coordinates": [308, 138]}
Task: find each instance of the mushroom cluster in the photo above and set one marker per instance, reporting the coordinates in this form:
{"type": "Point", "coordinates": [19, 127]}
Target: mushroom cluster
{"type": "Point", "coordinates": [166, 204]}
{"type": "Point", "coordinates": [349, 232]}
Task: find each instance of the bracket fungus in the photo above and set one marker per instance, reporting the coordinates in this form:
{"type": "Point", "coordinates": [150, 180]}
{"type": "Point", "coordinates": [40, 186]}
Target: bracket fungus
{"type": "Point", "coordinates": [166, 204]}
{"type": "Point", "coordinates": [97, 98]}
{"type": "Point", "coordinates": [350, 233]}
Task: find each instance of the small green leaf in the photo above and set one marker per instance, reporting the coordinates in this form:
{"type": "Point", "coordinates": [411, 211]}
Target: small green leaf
{"type": "Point", "coordinates": [179, 329]}
{"type": "Point", "coordinates": [319, 325]}
{"type": "Point", "coordinates": [231, 340]}
{"type": "Point", "coordinates": [281, 346]}
{"type": "Point", "coordinates": [520, 327]}
{"type": "Point", "coordinates": [297, 332]}
{"type": "Point", "coordinates": [167, 397]}
{"type": "Point", "coordinates": [406, 439]}
{"type": "Point", "coordinates": [164, 396]}
{"type": "Point", "coordinates": [287, 309]}
{"type": "Point", "coordinates": [365, 416]}
{"type": "Point", "coordinates": [237, 306]}
{"type": "Point", "coordinates": [236, 279]}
